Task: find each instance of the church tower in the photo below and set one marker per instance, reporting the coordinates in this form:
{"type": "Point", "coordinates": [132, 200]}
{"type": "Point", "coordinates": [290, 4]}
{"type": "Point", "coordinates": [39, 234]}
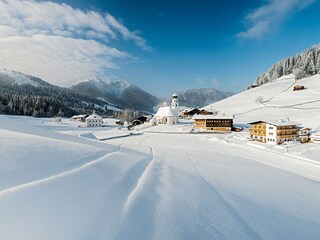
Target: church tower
{"type": "Point", "coordinates": [175, 105]}
{"type": "Point", "coordinates": [174, 102]}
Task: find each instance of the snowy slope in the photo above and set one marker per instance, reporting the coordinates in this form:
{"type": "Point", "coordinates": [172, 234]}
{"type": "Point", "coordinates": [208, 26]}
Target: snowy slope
{"type": "Point", "coordinates": [276, 100]}
{"type": "Point", "coordinates": [149, 186]}
{"type": "Point", "coordinates": [16, 77]}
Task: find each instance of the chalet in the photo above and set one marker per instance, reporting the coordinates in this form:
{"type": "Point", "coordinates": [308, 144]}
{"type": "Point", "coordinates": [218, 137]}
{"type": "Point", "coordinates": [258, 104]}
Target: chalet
{"type": "Point", "coordinates": [315, 137]}
{"type": "Point", "coordinates": [298, 87]}
{"type": "Point", "coordinates": [303, 135]}
{"type": "Point", "coordinates": [213, 123]}
{"type": "Point", "coordinates": [188, 113]}
{"type": "Point", "coordinates": [94, 120]}
{"type": "Point", "coordinates": [276, 132]}
{"type": "Point", "coordinates": [205, 112]}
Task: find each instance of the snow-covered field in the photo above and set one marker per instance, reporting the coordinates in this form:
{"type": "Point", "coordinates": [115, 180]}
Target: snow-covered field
{"type": "Point", "coordinates": [276, 100]}
{"type": "Point", "coordinates": [58, 182]}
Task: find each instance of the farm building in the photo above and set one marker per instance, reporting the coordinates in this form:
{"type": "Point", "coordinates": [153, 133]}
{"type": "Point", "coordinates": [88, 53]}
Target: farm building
{"type": "Point", "coordinates": [315, 137]}
{"type": "Point", "coordinates": [94, 120]}
{"type": "Point", "coordinates": [80, 118]}
{"type": "Point", "coordinates": [188, 113]}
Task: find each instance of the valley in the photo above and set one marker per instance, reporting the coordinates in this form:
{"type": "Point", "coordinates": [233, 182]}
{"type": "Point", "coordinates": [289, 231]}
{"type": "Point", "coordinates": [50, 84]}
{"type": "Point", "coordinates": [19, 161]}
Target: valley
{"type": "Point", "coordinates": [151, 185]}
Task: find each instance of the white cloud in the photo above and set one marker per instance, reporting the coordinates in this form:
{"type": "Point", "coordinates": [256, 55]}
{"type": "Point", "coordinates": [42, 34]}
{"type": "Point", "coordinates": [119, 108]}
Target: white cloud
{"type": "Point", "coordinates": [62, 61]}
{"type": "Point", "coordinates": [58, 43]}
{"type": "Point", "coordinates": [269, 16]}
{"type": "Point", "coordinates": [126, 34]}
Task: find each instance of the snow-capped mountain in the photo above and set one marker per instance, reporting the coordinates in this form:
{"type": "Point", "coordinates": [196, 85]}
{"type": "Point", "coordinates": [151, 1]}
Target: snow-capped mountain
{"type": "Point", "coordinates": [302, 65]}
{"type": "Point", "coordinates": [115, 87]}
{"type": "Point", "coordinates": [28, 95]}
{"type": "Point", "coordinates": [16, 78]}
{"type": "Point", "coordinates": [118, 92]}
{"type": "Point", "coordinates": [12, 77]}
{"type": "Point", "coordinates": [199, 97]}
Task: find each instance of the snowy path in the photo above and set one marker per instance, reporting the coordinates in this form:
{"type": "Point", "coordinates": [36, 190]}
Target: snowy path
{"type": "Point", "coordinates": [154, 186]}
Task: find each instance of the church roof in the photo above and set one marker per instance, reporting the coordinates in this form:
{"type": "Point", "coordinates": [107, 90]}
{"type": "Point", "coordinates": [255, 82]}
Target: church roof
{"type": "Point", "coordinates": [165, 112]}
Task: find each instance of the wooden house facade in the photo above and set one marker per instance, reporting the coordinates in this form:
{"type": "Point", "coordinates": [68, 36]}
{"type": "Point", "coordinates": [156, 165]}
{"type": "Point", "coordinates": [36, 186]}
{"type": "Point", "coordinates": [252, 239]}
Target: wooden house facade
{"type": "Point", "coordinates": [298, 88]}
{"type": "Point", "coordinates": [213, 123]}
{"type": "Point", "coordinates": [258, 131]}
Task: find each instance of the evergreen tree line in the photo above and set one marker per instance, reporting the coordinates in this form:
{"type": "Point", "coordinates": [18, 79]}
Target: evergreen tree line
{"type": "Point", "coordinates": [46, 101]}
{"type": "Point", "coordinates": [302, 65]}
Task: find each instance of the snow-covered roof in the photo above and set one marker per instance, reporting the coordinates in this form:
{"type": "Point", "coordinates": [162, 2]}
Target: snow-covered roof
{"type": "Point", "coordinates": [94, 116]}
{"type": "Point", "coordinates": [280, 122]}
{"type": "Point", "coordinates": [218, 116]}
{"type": "Point", "coordinates": [79, 116]}
{"type": "Point", "coordinates": [165, 112]}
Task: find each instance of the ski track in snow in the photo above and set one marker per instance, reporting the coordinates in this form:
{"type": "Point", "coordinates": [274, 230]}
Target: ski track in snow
{"type": "Point", "coordinates": [140, 183]}
{"type": "Point", "coordinates": [232, 210]}
{"type": "Point", "coordinates": [25, 186]}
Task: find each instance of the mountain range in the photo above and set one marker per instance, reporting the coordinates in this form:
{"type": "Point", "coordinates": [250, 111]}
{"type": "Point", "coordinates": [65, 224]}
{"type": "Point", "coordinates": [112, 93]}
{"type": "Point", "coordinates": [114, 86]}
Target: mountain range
{"type": "Point", "coordinates": [28, 95]}
{"type": "Point", "coordinates": [119, 93]}
{"type": "Point", "coordinates": [199, 97]}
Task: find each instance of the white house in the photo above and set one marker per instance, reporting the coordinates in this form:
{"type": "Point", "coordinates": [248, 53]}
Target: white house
{"type": "Point", "coordinates": [168, 114]}
{"type": "Point", "coordinates": [315, 137]}
{"type": "Point", "coordinates": [94, 120]}
{"type": "Point", "coordinates": [280, 131]}
{"type": "Point", "coordinates": [303, 134]}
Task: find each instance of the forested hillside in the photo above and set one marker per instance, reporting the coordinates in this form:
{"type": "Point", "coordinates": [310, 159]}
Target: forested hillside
{"type": "Point", "coordinates": [21, 94]}
{"type": "Point", "coordinates": [302, 65]}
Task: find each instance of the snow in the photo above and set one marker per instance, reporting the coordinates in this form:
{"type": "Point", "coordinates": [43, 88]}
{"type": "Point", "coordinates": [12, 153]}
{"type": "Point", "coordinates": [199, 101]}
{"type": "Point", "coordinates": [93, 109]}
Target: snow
{"type": "Point", "coordinates": [276, 100]}
{"type": "Point", "coordinates": [18, 78]}
{"type": "Point", "coordinates": [116, 87]}
{"type": "Point", "coordinates": [166, 111]}
{"type": "Point", "coordinates": [55, 184]}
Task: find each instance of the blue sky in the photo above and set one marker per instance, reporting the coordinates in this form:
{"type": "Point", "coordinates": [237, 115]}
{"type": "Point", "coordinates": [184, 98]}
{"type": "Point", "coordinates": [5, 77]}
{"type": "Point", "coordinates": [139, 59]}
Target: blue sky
{"type": "Point", "coordinates": [161, 46]}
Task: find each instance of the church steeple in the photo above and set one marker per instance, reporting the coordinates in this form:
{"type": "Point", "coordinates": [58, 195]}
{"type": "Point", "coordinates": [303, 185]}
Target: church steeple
{"type": "Point", "coordinates": [174, 102]}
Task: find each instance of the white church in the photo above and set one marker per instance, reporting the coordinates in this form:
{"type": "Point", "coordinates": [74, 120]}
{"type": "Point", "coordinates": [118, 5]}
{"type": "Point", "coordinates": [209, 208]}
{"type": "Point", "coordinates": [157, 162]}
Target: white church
{"type": "Point", "coordinates": [168, 114]}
